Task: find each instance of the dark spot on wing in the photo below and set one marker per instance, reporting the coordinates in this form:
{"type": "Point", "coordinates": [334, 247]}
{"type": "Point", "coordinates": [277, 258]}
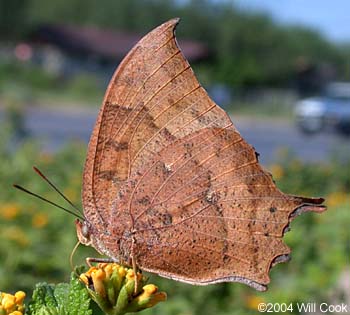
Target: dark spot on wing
{"type": "Point", "coordinates": [117, 146]}
{"type": "Point", "coordinates": [108, 175]}
{"type": "Point", "coordinates": [144, 201]}
{"type": "Point", "coordinates": [167, 218]}
{"type": "Point", "coordinates": [167, 134]}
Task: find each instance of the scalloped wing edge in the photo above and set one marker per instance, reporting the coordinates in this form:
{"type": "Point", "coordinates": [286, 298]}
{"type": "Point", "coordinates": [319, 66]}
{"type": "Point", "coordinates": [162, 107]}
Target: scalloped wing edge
{"type": "Point", "coordinates": [281, 258]}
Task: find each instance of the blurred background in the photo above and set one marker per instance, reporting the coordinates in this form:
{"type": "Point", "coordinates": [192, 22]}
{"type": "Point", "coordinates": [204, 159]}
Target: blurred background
{"type": "Point", "coordinates": [280, 68]}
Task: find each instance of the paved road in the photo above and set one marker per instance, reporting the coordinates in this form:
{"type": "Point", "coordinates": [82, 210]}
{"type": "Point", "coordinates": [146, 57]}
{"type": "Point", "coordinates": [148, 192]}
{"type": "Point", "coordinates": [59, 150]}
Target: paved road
{"type": "Point", "coordinates": [267, 136]}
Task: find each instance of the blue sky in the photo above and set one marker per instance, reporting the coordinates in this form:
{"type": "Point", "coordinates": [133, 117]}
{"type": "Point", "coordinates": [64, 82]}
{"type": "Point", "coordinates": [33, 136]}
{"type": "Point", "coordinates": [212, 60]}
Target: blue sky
{"type": "Point", "coordinates": [330, 17]}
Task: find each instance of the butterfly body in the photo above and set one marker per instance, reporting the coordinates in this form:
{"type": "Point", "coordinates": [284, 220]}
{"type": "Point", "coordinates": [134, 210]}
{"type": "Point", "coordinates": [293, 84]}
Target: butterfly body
{"type": "Point", "coordinates": [169, 183]}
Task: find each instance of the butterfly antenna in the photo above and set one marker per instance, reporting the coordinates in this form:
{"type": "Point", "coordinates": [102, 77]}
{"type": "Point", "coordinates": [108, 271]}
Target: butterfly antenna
{"type": "Point", "coordinates": [49, 201]}
{"type": "Point", "coordinates": [55, 188]}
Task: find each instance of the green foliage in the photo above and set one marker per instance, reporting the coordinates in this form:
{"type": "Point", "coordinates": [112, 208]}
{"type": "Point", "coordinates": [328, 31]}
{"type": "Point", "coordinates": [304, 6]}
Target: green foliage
{"type": "Point", "coordinates": [13, 20]}
{"type": "Point", "coordinates": [79, 300]}
{"type": "Point", "coordinates": [60, 299]}
{"type": "Point", "coordinates": [28, 83]}
{"type": "Point", "coordinates": [20, 73]}
{"type": "Point", "coordinates": [315, 178]}
{"type": "Point", "coordinates": [35, 238]}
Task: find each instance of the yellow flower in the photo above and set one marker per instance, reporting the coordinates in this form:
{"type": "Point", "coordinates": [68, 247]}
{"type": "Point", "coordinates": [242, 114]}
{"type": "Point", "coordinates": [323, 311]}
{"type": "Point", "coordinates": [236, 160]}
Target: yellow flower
{"type": "Point", "coordinates": [112, 287]}
{"type": "Point", "coordinates": [253, 301]}
{"type": "Point", "coordinates": [337, 198]}
{"type": "Point", "coordinates": [122, 272]}
{"type": "Point", "coordinates": [15, 234]}
{"type": "Point", "coordinates": [40, 220]}
{"type": "Point", "coordinates": [150, 296]}
{"type": "Point", "coordinates": [277, 171]}
{"type": "Point", "coordinates": [98, 278]}
{"type": "Point", "coordinates": [85, 276]}
{"type": "Point", "coordinates": [20, 295]}
{"type": "Point", "coordinates": [9, 211]}
{"type": "Point", "coordinates": [12, 304]}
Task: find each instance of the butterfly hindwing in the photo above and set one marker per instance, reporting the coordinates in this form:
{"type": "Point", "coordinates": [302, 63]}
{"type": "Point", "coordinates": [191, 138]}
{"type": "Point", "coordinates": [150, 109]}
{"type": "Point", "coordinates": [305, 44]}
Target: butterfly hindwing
{"type": "Point", "coordinates": [204, 211]}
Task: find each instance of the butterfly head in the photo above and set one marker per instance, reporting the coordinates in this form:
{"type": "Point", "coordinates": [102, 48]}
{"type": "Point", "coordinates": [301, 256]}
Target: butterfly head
{"type": "Point", "coordinates": [84, 232]}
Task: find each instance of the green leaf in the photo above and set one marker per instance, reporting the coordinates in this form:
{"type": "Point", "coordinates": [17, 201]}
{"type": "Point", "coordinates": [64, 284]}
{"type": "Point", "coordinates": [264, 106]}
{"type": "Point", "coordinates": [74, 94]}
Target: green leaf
{"type": "Point", "coordinates": [43, 300]}
{"type": "Point", "coordinates": [61, 294]}
{"type": "Point", "coordinates": [60, 299]}
{"type": "Point", "coordinates": [78, 299]}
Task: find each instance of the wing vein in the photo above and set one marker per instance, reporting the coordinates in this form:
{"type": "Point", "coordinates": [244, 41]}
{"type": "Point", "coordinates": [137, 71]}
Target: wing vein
{"type": "Point", "coordinates": [199, 175]}
{"type": "Point", "coordinates": [197, 166]}
{"type": "Point", "coordinates": [191, 159]}
{"type": "Point", "coordinates": [193, 136]}
{"type": "Point", "coordinates": [104, 110]}
{"type": "Point", "coordinates": [241, 219]}
{"type": "Point", "coordinates": [136, 93]}
{"type": "Point", "coordinates": [160, 129]}
{"type": "Point", "coordinates": [202, 247]}
{"type": "Point", "coordinates": [173, 224]}
{"type": "Point", "coordinates": [201, 191]}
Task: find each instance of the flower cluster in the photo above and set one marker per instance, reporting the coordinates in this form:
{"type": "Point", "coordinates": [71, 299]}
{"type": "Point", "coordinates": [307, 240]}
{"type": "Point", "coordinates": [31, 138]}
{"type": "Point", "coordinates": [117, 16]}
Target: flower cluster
{"type": "Point", "coordinates": [337, 199]}
{"type": "Point", "coordinates": [12, 304]}
{"type": "Point", "coordinates": [252, 302]}
{"type": "Point", "coordinates": [112, 287]}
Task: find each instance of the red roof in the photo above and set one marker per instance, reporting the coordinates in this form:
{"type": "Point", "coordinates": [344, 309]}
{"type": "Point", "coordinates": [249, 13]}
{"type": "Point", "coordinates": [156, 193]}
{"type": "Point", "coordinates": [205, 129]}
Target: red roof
{"type": "Point", "coordinates": [108, 44]}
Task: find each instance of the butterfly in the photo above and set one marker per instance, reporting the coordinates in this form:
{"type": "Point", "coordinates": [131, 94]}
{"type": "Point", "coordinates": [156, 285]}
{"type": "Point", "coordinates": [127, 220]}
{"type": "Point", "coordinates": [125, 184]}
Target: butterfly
{"type": "Point", "coordinates": [169, 184]}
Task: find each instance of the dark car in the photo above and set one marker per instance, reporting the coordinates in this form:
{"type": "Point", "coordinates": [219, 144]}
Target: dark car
{"type": "Point", "coordinates": [332, 110]}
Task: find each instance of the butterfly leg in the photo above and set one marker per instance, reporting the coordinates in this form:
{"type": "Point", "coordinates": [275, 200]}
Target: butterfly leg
{"type": "Point", "coordinates": [90, 260]}
{"type": "Point", "coordinates": [134, 266]}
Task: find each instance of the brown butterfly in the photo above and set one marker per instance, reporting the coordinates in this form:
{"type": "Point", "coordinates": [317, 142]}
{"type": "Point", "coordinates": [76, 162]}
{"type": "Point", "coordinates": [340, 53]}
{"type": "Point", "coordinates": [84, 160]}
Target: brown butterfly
{"type": "Point", "coordinates": [170, 185]}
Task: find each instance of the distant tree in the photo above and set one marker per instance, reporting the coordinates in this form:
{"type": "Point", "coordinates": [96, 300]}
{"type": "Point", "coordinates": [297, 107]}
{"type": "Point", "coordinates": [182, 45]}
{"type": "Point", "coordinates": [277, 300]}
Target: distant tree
{"type": "Point", "coordinates": [13, 18]}
{"type": "Point", "coordinates": [246, 49]}
{"type": "Point", "coordinates": [345, 50]}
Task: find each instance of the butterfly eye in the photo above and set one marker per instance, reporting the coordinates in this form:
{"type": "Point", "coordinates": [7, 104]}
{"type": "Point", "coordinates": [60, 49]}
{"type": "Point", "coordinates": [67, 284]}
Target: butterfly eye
{"type": "Point", "coordinates": [85, 231]}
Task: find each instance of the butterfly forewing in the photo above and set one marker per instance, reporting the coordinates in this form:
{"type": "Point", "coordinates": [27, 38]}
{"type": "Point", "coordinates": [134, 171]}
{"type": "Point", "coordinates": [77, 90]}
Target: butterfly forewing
{"type": "Point", "coordinates": [153, 99]}
{"type": "Point", "coordinates": [171, 180]}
